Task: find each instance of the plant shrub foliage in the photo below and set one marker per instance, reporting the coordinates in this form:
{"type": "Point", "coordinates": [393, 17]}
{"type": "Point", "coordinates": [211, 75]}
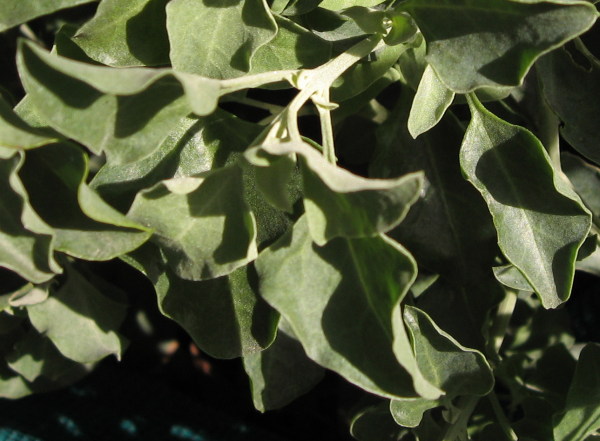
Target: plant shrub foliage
{"type": "Point", "coordinates": [420, 244]}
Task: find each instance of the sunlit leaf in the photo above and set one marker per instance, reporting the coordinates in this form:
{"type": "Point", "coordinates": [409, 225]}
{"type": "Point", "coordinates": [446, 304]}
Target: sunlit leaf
{"type": "Point", "coordinates": [475, 43]}
{"type": "Point", "coordinates": [131, 33]}
{"type": "Point", "coordinates": [225, 316]}
{"type": "Point", "coordinates": [85, 226]}
{"type": "Point", "coordinates": [540, 221]}
{"type": "Point", "coordinates": [81, 321]}
{"type": "Point", "coordinates": [124, 112]}
{"type": "Point", "coordinates": [201, 223]}
{"type": "Point", "coordinates": [342, 303]}
{"type": "Point", "coordinates": [431, 101]}
{"type": "Point", "coordinates": [15, 12]}
{"type": "Point", "coordinates": [26, 242]}
{"type": "Point", "coordinates": [203, 38]}
{"type": "Point", "coordinates": [341, 204]}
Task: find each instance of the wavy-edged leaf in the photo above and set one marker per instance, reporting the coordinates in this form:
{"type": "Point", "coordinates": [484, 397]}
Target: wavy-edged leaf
{"type": "Point", "coordinates": [443, 361]}
{"type": "Point", "coordinates": [26, 242]}
{"type": "Point", "coordinates": [15, 12]}
{"type": "Point", "coordinates": [581, 417]}
{"type": "Point", "coordinates": [570, 90]}
{"type": "Point", "coordinates": [293, 47]}
{"type": "Point", "coordinates": [131, 33]}
{"type": "Point", "coordinates": [81, 321]}
{"type": "Point", "coordinates": [430, 103]}
{"type": "Point", "coordinates": [224, 316]}
{"type": "Point", "coordinates": [194, 146]}
{"type": "Point", "coordinates": [341, 204]}
{"type": "Point", "coordinates": [35, 356]}
{"type": "Point", "coordinates": [509, 275]}
{"type": "Point", "coordinates": [540, 221]}
{"type": "Point", "coordinates": [342, 303]}
{"type": "Point", "coordinates": [85, 226]}
{"type": "Point", "coordinates": [475, 43]}
{"type": "Point", "coordinates": [281, 373]}
{"type": "Point", "coordinates": [207, 39]}
{"type": "Point", "coordinates": [408, 412]}
{"type": "Point", "coordinates": [124, 112]}
{"type": "Point", "coordinates": [13, 386]}
{"type": "Point", "coordinates": [201, 223]}
{"type": "Point", "coordinates": [16, 133]}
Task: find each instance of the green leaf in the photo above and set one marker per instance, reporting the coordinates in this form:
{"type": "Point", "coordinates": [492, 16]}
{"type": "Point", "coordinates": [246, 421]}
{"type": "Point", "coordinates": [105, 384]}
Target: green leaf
{"type": "Point", "coordinates": [408, 412]}
{"type": "Point", "coordinates": [509, 275]}
{"type": "Point", "coordinates": [15, 12]}
{"type": "Point", "coordinates": [403, 29]}
{"type": "Point", "coordinates": [130, 33]}
{"type": "Point", "coordinates": [16, 133]}
{"type": "Point", "coordinates": [194, 146]}
{"type": "Point", "coordinates": [475, 43]}
{"type": "Point", "coordinates": [201, 223]}
{"type": "Point", "coordinates": [26, 242]}
{"type": "Point", "coordinates": [85, 226]}
{"type": "Point", "coordinates": [570, 89]}
{"type": "Point", "coordinates": [581, 417]}
{"type": "Point", "coordinates": [539, 220]}
{"type": "Point", "coordinates": [13, 386]}
{"type": "Point", "coordinates": [293, 47]}
{"type": "Point", "coordinates": [281, 373]}
{"type": "Point", "coordinates": [124, 112]}
{"type": "Point", "coordinates": [225, 316]}
{"type": "Point", "coordinates": [341, 204]}
{"type": "Point", "coordinates": [35, 356]}
{"type": "Point", "coordinates": [443, 361]}
{"type": "Point", "coordinates": [81, 321]}
{"type": "Point", "coordinates": [204, 39]}
{"type": "Point", "coordinates": [342, 301]}
{"type": "Point", "coordinates": [431, 102]}
{"type": "Point", "coordinates": [337, 5]}
{"type": "Point", "coordinates": [28, 295]}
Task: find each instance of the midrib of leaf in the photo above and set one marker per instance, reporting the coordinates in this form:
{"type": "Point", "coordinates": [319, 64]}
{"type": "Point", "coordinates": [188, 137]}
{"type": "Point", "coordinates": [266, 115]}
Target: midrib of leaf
{"type": "Point", "coordinates": [356, 264]}
{"type": "Point", "coordinates": [522, 212]}
{"type": "Point", "coordinates": [433, 368]}
{"type": "Point", "coordinates": [213, 41]}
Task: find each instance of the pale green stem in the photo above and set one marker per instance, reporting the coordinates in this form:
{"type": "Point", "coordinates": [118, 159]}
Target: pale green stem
{"type": "Point", "coordinates": [322, 78]}
{"type": "Point", "coordinates": [326, 128]}
{"type": "Point", "coordinates": [272, 108]}
{"type": "Point", "coordinates": [501, 418]}
{"type": "Point", "coordinates": [257, 80]}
